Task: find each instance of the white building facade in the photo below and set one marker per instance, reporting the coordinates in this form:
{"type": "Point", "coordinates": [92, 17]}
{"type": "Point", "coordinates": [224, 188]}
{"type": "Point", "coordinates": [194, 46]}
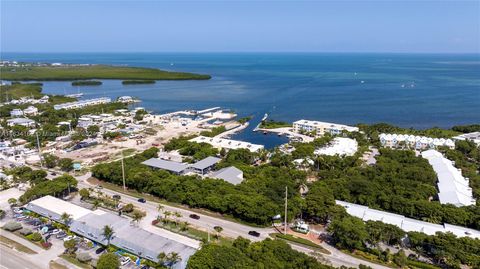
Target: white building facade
{"type": "Point", "coordinates": [321, 128]}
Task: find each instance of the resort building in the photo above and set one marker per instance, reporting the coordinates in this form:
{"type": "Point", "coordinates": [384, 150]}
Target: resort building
{"type": "Point", "coordinates": [83, 103]}
{"type": "Point", "coordinates": [320, 128]}
{"type": "Point", "coordinates": [404, 223]}
{"type": "Point", "coordinates": [474, 137]}
{"type": "Point", "coordinates": [229, 174]}
{"type": "Point", "coordinates": [414, 142]}
{"type": "Point", "coordinates": [227, 143]}
{"type": "Point", "coordinates": [135, 240]}
{"type": "Point", "coordinates": [16, 113]}
{"type": "Point", "coordinates": [21, 122]}
{"type": "Point", "coordinates": [453, 187]}
{"type": "Point", "coordinates": [340, 146]}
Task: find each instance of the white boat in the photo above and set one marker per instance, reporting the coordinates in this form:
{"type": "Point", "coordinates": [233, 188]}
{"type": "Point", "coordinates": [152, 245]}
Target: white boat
{"type": "Point", "coordinates": [75, 95]}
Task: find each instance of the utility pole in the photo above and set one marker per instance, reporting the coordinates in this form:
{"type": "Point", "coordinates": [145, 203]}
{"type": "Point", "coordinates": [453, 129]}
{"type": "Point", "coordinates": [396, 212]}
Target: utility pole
{"type": "Point", "coordinates": [286, 204]}
{"type": "Point", "coordinates": [123, 173]}
{"type": "Point", "coordinates": [39, 150]}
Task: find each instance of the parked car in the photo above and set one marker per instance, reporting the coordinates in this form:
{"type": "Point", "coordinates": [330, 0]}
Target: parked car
{"type": "Point", "coordinates": [125, 260]}
{"type": "Point", "coordinates": [61, 235]}
{"type": "Point", "coordinates": [100, 250]}
{"type": "Point", "coordinates": [116, 197]}
{"type": "Point", "coordinates": [70, 237]}
{"type": "Point", "coordinates": [254, 233]}
{"type": "Point", "coordinates": [194, 216]}
{"type": "Point", "coordinates": [142, 200]}
{"type": "Point", "coordinates": [55, 231]}
{"type": "Point", "coordinates": [17, 210]}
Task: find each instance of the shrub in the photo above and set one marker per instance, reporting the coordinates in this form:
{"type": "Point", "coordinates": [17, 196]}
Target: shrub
{"type": "Point", "coordinates": [12, 226]}
{"type": "Point", "coordinates": [35, 237]}
{"type": "Point", "coordinates": [84, 257]}
{"type": "Point", "coordinates": [46, 245]}
{"type": "Point", "coordinates": [25, 231]}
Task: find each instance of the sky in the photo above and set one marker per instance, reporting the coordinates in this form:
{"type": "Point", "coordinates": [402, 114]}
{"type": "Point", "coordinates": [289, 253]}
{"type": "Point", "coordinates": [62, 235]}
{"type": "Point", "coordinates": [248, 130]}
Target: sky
{"type": "Point", "coordinates": [402, 26]}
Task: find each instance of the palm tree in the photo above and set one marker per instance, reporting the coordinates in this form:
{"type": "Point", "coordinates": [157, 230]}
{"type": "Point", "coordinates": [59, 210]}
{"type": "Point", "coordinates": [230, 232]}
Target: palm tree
{"type": "Point", "coordinates": [184, 226]}
{"type": "Point", "coordinates": [107, 233]}
{"type": "Point", "coordinates": [218, 229]}
{"type": "Point", "coordinates": [66, 218]}
{"type": "Point", "coordinates": [177, 216]}
{"type": "Point", "coordinates": [173, 258]}
{"type": "Point", "coordinates": [137, 215]}
{"type": "Point", "coordinates": [162, 258]}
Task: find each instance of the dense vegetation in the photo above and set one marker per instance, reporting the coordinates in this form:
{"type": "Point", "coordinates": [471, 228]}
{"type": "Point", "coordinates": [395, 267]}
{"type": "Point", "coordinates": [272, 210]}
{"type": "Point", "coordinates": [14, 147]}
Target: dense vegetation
{"type": "Point", "coordinates": [467, 128]}
{"type": "Point", "coordinates": [271, 124]}
{"type": "Point", "coordinates": [86, 83]}
{"type": "Point", "coordinates": [374, 130]}
{"type": "Point", "coordinates": [92, 72]}
{"type": "Point", "coordinates": [400, 182]}
{"type": "Point", "coordinates": [243, 254]}
{"type": "Point", "coordinates": [57, 187]}
{"type": "Point", "coordinates": [256, 200]}
{"type": "Point", "coordinates": [146, 81]}
{"type": "Point", "coordinates": [444, 249]}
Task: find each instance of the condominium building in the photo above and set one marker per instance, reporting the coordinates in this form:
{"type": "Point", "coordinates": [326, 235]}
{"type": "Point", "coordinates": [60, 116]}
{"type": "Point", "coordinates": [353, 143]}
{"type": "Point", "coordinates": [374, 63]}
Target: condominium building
{"type": "Point", "coordinates": [320, 128]}
{"type": "Point", "coordinates": [83, 103]}
{"type": "Point", "coordinates": [453, 187]}
{"type": "Point", "coordinates": [474, 137]}
{"type": "Point", "coordinates": [414, 142]}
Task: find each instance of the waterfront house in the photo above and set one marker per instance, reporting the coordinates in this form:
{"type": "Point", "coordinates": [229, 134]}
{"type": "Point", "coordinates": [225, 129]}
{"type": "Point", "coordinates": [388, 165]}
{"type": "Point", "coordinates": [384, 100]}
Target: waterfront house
{"type": "Point", "coordinates": [321, 128]}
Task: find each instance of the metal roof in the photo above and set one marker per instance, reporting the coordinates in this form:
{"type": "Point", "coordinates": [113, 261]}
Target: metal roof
{"type": "Point", "coordinates": [230, 174]}
{"type": "Point", "coordinates": [206, 163]}
{"type": "Point", "coordinates": [165, 165]}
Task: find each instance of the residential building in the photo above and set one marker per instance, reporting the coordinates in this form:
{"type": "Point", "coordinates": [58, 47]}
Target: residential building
{"type": "Point", "coordinates": [404, 223]}
{"type": "Point", "coordinates": [16, 113]}
{"type": "Point", "coordinates": [30, 111]}
{"type": "Point", "coordinates": [320, 128]}
{"type": "Point", "coordinates": [205, 165]}
{"type": "Point", "coordinates": [83, 103]}
{"type": "Point", "coordinates": [227, 143]}
{"type": "Point", "coordinates": [229, 174]}
{"type": "Point", "coordinates": [341, 146]}
{"type": "Point", "coordinates": [201, 167]}
{"type": "Point", "coordinates": [414, 142]}
{"type": "Point", "coordinates": [21, 122]}
{"type": "Point", "coordinates": [453, 187]}
{"type": "Point", "coordinates": [474, 137]}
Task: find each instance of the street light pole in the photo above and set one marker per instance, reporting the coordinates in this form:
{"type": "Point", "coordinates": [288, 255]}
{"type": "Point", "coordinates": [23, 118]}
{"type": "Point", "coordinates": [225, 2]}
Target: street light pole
{"type": "Point", "coordinates": [123, 173]}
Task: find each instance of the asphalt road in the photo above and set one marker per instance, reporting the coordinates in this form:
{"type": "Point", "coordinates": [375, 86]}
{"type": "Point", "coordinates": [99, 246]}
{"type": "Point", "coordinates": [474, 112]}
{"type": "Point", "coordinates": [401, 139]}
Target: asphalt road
{"type": "Point", "coordinates": [11, 259]}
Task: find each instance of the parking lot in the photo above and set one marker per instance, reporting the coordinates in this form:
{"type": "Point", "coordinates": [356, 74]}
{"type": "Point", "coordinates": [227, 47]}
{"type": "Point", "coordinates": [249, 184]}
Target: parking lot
{"type": "Point", "coordinates": [56, 236]}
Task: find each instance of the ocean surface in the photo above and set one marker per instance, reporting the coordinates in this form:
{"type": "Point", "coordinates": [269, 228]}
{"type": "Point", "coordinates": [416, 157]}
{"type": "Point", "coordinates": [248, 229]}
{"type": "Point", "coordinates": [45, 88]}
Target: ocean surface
{"type": "Point", "coordinates": [409, 90]}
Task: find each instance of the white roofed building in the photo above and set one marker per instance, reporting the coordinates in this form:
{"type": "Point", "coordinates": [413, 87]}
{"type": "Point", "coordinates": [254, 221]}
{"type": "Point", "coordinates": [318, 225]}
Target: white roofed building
{"type": "Point", "coordinates": [341, 146]}
{"type": "Point", "coordinates": [474, 137]}
{"type": "Point", "coordinates": [407, 224]}
{"type": "Point", "coordinates": [227, 143]}
{"type": "Point", "coordinates": [83, 103]}
{"type": "Point", "coordinates": [30, 111]}
{"type": "Point", "coordinates": [414, 142]}
{"type": "Point", "coordinates": [16, 112]}
{"type": "Point", "coordinates": [453, 187]}
{"type": "Point", "coordinates": [230, 174]}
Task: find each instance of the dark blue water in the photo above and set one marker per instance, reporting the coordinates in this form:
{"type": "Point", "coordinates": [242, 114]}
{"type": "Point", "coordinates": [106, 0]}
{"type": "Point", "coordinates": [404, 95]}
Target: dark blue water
{"type": "Point", "coordinates": [326, 87]}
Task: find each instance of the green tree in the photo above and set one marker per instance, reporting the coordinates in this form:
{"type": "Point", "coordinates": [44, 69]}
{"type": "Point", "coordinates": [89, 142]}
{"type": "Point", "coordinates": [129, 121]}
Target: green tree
{"type": "Point", "coordinates": [319, 201]}
{"type": "Point", "coordinates": [65, 164]}
{"type": "Point", "coordinates": [50, 160]}
{"type": "Point", "coordinates": [349, 232]}
{"type": "Point", "coordinates": [84, 194]}
{"type": "Point", "coordinates": [108, 261]}
{"type": "Point", "coordinates": [70, 245]}
{"type": "Point", "coordinates": [218, 229]}
{"type": "Point", "coordinates": [400, 259]}
{"type": "Point", "coordinates": [12, 201]}
{"type": "Point", "coordinates": [107, 233]}
{"type": "Point", "coordinates": [138, 215]}
{"type": "Point", "coordinates": [173, 258]}
{"type": "Point", "coordinates": [93, 130]}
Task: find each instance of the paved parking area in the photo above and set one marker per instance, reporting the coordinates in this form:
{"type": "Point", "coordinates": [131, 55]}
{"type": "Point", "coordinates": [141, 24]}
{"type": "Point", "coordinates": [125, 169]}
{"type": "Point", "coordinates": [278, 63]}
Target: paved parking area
{"type": "Point", "coordinates": [7, 194]}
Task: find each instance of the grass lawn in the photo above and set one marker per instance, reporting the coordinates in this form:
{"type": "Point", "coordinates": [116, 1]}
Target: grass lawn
{"type": "Point", "coordinates": [196, 234]}
{"type": "Point", "coordinates": [92, 72]}
{"type": "Point", "coordinates": [15, 245]}
{"type": "Point", "coordinates": [301, 241]}
{"type": "Point", "coordinates": [75, 261]}
{"type": "Point", "coordinates": [56, 265]}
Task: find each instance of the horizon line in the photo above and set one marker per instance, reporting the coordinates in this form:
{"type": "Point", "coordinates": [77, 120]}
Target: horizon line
{"type": "Point", "coordinates": [272, 52]}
